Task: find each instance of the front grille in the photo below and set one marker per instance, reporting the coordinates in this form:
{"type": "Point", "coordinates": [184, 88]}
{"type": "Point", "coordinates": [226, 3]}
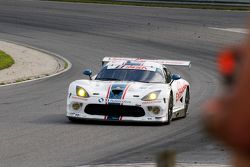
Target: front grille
{"type": "Point", "coordinates": [114, 110]}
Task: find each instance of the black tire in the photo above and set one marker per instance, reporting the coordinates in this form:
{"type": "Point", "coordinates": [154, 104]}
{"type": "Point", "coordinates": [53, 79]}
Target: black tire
{"type": "Point", "coordinates": [170, 109]}
{"type": "Point", "coordinates": [73, 120]}
{"type": "Point", "coordinates": [187, 100]}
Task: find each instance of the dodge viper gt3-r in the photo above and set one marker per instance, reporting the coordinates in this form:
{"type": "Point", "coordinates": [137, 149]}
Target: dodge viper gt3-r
{"type": "Point", "coordinates": [130, 89]}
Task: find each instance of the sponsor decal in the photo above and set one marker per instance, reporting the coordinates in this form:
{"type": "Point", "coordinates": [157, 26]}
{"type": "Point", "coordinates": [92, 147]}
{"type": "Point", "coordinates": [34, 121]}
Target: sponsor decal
{"type": "Point", "coordinates": [113, 118]}
{"type": "Point", "coordinates": [100, 100]}
{"type": "Point", "coordinates": [152, 102]}
{"type": "Point", "coordinates": [180, 92]}
{"type": "Point", "coordinates": [133, 63]}
{"type": "Point", "coordinates": [135, 67]}
{"type": "Point", "coordinates": [114, 101]}
{"type": "Point", "coordinates": [119, 101]}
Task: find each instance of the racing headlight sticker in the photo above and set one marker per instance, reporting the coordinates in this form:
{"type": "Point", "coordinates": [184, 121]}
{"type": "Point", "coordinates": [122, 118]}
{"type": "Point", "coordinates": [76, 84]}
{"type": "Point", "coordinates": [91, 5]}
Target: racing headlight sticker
{"type": "Point", "coordinates": [151, 96]}
{"type": "Point", "coordinates": [81, 92]}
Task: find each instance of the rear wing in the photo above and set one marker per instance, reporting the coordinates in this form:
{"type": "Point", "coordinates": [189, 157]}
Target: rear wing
{"type": "Point", "coordinates": [163, 62]}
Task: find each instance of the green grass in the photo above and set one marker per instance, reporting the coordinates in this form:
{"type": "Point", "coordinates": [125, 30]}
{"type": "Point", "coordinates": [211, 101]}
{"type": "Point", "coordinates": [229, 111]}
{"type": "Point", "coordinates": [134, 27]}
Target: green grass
{"type": "Point", "coordinates": [172, 5]}
{"type": "Point", "coordinates": [65, 65]}
{"type": "Point", "coordinates": [5, 60]}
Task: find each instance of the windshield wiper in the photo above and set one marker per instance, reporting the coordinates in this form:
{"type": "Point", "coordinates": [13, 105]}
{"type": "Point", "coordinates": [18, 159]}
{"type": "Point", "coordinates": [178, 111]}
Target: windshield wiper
{"type": "Point", "coordinates": [145, 81]}
{"type": "Point", "coordinates": [138, 81]}
{"type": "Point", "coordinates": [109, 79]}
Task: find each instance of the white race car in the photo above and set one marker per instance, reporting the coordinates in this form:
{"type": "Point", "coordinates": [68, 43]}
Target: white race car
{"type": "Point", "coordinates": [130, 89]}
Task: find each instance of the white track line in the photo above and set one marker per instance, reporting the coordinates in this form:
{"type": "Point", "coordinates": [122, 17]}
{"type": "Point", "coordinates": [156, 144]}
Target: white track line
{"type": "Point", "coordinates": [235, 30]}
{"type": "Point", "coordinates": [44, 51]}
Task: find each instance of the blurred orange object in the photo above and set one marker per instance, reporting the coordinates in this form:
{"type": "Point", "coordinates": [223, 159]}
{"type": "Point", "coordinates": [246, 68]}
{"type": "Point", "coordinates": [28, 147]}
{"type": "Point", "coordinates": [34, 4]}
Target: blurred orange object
{"type": "Point", "coordinates": [226, 62]}
{"type": "Point", "coordinates": [227, 116]}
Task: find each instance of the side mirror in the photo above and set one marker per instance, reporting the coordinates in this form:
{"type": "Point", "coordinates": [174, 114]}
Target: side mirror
{"type": "Point", "coordinates": [88, 72]}
{"type": "Point", "coordinates": [176, 77]}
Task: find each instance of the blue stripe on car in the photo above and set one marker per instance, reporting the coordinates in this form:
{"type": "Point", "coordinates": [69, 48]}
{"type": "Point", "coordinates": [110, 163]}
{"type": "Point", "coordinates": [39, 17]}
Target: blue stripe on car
{"type": "Point", "coordinates": [117, 97]}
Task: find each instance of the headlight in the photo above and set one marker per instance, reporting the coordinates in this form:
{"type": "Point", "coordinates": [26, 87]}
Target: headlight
{"type": "Point", "coordinates": [151, 96]}
{"type": "Point", "coordinates": [81, 92]}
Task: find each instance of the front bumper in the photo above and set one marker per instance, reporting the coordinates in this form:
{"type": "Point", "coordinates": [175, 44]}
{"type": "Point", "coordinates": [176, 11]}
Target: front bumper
{"type": "Point", "coordinates": [130, 110]}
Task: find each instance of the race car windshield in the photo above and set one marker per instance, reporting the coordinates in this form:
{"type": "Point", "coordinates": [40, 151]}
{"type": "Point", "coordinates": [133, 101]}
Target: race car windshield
{"type": "Point", "coordinates": [131, 75]}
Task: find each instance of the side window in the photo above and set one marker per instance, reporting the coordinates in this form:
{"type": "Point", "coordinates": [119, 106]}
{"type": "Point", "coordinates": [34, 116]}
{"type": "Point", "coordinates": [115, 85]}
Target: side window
{"type": "Point", "coordinates": [167, 75]}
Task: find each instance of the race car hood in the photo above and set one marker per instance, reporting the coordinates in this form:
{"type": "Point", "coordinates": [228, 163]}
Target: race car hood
{"type": "Point", "coordinates": [117, 89]}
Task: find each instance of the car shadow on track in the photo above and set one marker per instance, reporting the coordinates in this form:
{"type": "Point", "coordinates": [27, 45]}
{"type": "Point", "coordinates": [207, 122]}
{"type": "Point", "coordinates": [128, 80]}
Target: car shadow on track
{"type": "Point", "coordinates": [63, 120]}
{"type": "Point", "coordinates": [114, 123]}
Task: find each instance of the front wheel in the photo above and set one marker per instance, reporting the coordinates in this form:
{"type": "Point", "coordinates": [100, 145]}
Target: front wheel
{"type": "Point", "coordinates": [170, 109]}
{"type": "Point", "coordinates": [73, 120]}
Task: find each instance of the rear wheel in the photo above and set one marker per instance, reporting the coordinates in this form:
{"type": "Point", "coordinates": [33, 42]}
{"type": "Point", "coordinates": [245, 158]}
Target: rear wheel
{"type": "Point", "coordinates": [170, 109]}
{"type": "Point", "coordinates": [187, 100]}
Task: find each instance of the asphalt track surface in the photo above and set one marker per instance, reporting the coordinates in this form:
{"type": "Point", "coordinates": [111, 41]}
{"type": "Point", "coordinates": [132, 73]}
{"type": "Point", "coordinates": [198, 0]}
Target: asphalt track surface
{"type": "Point", "coordinates": [33, 128]}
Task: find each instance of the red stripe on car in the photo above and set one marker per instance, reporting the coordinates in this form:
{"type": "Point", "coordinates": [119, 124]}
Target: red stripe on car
{"type": "Point", "coordinates": [125, 91]}
{"type": "Point", "coordinates": [107, 96]}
